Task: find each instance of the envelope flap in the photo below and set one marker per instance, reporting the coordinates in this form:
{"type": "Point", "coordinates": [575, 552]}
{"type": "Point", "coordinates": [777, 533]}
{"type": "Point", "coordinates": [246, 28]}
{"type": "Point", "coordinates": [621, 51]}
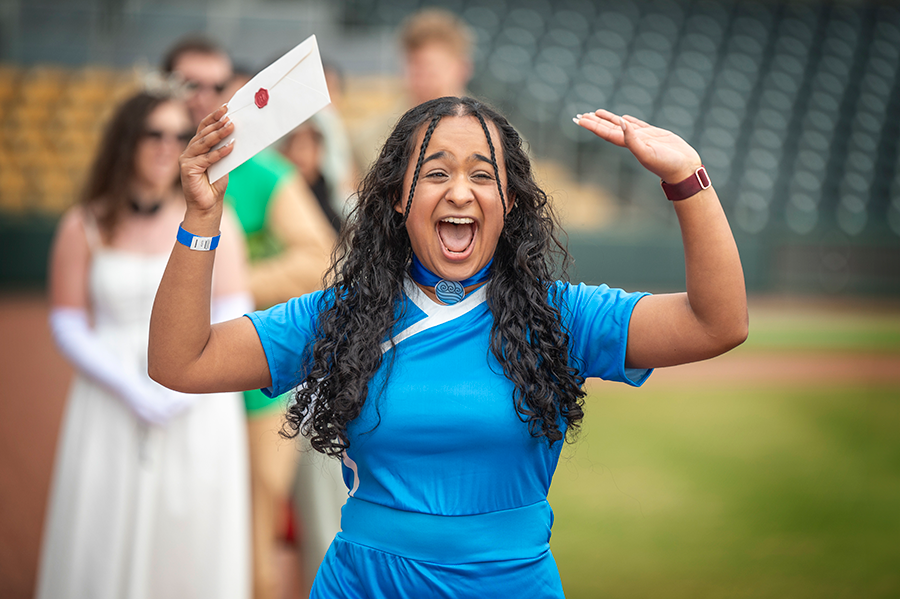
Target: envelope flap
{"type": "Point", "coordinates": [309, 88]}
{"type": "Point", "coordinates": [278, 70]}
{"type": "Point", "coordinates": [272, 74]}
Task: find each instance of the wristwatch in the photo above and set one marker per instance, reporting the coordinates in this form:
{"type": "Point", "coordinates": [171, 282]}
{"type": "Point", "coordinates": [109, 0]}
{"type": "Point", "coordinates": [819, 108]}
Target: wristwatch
{"type": "Point", "coordinates": [690, 186]}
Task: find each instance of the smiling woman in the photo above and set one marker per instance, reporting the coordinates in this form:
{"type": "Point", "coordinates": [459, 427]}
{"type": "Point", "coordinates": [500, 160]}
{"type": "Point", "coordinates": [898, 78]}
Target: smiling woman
{"type": "Point", "coordinates": [444, 362]}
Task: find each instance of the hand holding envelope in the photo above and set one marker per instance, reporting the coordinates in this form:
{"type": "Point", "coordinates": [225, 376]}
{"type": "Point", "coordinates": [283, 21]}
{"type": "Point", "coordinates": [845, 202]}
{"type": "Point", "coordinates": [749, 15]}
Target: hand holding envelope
{"type": "Point", "coordinates": [273, 103]}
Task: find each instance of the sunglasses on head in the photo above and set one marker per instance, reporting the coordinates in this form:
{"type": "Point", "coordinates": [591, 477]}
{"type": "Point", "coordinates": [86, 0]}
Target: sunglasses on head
{"type": "Point", "coordinates": [196, 86]}
{"type": "Point", "coordinates": [157, 135]}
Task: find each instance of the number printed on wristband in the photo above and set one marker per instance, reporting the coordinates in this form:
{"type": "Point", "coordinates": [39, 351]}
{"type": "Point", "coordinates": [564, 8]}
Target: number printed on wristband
{"type": "Point", "coordinates": [201, 243]}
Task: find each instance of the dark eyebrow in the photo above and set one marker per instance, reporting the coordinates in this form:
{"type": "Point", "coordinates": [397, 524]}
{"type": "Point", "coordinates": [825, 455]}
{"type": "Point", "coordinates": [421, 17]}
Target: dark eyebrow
{"type": "Point", "coordinates": [435, 156]}
{"type": "Point", "coordinates": [442, 154]}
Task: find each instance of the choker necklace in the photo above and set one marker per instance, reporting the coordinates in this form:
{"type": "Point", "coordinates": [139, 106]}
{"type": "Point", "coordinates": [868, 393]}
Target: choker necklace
{"type": "Point", "coordinates": [448, 292]}
{"type": "Point", "coordinates": [144, 209]}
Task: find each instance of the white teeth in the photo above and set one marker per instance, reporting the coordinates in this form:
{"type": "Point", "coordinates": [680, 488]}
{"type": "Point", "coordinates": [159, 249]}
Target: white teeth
{"type": "Point", "coordinates": [458, 221]}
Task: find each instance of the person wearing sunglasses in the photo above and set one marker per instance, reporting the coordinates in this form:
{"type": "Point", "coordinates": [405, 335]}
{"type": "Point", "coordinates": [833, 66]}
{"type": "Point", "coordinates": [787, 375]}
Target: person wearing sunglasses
{"type": "Point", "coordinates": [162, 136]}
{"type": "Point", "coordinates": [138, 507]}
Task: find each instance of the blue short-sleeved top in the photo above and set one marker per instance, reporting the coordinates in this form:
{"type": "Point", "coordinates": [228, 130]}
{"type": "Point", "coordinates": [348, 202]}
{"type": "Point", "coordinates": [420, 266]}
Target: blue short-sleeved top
{"type": "Point", "coordinates": [442, 436]}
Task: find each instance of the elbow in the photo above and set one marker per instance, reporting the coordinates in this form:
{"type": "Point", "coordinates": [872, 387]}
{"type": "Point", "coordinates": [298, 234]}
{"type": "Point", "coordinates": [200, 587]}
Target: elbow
{"type": "Point", "coordinates": [744, 331]}
{"type": "Point", "coordinates": [738, 336]}
{"type": "Point", "coordinates": [171, 376]}
{"type": "Point", "coordinates": [733, 333]}
{"type": "Point", "coordinates": [157, 371]}
{"type": "Point", "coordinates": [742, 326]}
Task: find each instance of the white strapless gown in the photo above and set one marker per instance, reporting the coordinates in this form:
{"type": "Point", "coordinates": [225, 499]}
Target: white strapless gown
{"type": "Point", "coordinates": [139, 511]}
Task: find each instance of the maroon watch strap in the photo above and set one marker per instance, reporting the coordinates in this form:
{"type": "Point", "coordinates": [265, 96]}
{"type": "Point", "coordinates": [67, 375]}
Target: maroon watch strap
{"type": "Point", "coordinates": [690, 186]}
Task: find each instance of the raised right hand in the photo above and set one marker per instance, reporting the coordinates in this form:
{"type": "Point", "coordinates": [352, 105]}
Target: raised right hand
{"type": "Point", "coordinates": [199, 193]}
{"type": "Point", "coordinates": [661, 152]}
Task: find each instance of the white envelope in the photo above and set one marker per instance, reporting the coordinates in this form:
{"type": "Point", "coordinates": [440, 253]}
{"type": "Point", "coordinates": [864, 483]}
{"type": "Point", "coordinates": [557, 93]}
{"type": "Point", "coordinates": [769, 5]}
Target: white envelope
{"type": "Point", "coordinates": [294, 90]}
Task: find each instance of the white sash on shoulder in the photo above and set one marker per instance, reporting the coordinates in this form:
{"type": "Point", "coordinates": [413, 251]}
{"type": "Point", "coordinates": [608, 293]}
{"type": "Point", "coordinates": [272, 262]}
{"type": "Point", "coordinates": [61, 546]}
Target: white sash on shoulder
{"type": "Point", "coordinates": [436, 313]}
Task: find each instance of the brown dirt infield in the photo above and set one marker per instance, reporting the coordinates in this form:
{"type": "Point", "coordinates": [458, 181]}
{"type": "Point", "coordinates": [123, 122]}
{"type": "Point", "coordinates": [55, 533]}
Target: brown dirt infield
{"type": "Point", "coordinates": [786, 368]}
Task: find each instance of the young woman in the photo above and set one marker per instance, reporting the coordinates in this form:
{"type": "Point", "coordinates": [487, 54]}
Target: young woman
{"type": "Point", "coordinates": [444, 362]}
{"type": "Point", "coordinates": [149, 496]}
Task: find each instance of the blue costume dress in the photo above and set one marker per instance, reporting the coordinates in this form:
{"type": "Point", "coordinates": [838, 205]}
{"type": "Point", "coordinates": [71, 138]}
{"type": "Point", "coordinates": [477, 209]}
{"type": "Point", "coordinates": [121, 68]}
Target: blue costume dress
{"type": "Point", "coordinates": [447, 488]}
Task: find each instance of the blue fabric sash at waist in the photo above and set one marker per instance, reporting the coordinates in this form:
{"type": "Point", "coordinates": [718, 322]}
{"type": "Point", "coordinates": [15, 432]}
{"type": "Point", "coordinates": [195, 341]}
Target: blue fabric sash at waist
{"type": "Point", "coordinates": [518, 533]}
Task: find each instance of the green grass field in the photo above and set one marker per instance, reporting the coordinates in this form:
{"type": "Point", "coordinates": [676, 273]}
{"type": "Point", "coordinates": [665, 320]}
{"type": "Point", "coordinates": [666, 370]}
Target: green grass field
{"type": "Point", "coordinates": [857, 330]}
{"type": "Point", "coordinates": [759, 490]}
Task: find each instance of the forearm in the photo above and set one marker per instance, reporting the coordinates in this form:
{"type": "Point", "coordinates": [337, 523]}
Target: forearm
{"type": "Point", "coordinates": [186, 353]}
{"type": "Point", "coordinates": [714, 276]}
{"type": "Point", "coordinates": [180, 321]}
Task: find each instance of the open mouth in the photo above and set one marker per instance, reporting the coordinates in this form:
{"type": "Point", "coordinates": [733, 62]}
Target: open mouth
{"type": "Point", "coordinates": [457, 234]}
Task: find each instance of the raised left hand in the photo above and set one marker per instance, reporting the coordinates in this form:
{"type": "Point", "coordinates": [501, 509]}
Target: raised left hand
{"type": "Point", "coordinates": [660, 151]}
{"type": "Point", "coordinates": [200, 193]}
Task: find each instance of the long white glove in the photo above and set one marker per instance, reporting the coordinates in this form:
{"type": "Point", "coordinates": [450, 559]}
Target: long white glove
{"type": "Point", "coordinates": [149, 400]}
{"type": "Point", "coordinates": [79, 343]}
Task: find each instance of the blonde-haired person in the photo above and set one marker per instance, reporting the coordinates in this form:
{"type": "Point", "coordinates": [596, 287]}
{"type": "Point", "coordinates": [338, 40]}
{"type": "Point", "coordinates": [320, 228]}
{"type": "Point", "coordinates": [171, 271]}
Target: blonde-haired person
{"type": "Point", "coordinates": [437, 47]}
{"type": "Point", "coordinates": [149, 497]}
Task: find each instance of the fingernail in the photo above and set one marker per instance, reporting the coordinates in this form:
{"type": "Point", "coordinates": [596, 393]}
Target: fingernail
{"type": "Point", "coordinates": [575, 120]}
{"type": "Point", "coordinates": [578, 116]}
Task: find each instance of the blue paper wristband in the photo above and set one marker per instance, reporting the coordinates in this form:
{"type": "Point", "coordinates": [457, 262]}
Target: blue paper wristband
{"type": "Point", "coordinates": [195, 242]}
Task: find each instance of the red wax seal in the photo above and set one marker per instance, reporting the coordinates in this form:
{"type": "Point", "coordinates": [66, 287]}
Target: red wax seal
{"type": "Point", "coordinates": [262, 97]}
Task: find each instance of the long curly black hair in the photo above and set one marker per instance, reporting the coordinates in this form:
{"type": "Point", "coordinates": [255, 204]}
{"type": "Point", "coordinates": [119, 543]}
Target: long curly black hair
{"type": "Point", "coordinates": [366, 281]}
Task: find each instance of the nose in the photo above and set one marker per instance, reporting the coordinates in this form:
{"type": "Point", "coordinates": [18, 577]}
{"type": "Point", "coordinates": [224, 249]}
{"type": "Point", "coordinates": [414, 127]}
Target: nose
{"type": "Point", "coordinates": [459, 192]}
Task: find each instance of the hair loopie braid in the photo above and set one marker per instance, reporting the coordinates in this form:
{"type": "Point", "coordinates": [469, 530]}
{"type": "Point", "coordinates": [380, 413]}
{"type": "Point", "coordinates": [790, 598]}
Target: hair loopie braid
{"type": "Point", "coordinates": [487, 134]}
{"type": "Point", "coordinates": [415, 179]}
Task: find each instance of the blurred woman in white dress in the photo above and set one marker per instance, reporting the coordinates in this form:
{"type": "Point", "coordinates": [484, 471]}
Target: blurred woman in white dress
{"type": "Point", "coordinates": [149, 497]}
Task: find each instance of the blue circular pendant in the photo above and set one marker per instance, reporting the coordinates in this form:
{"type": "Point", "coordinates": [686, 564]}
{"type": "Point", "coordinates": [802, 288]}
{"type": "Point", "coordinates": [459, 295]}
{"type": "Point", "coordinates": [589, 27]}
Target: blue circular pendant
{"type": "Point", "coordinates": [449, 292]}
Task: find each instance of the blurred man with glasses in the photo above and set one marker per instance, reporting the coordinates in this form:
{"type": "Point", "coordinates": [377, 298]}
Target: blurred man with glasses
{"type": "Point", "coordinates": [290, 242]}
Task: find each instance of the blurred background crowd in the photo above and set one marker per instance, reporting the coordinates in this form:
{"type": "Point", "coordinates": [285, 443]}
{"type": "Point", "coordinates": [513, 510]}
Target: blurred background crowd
{"type": "Point", "coordinates": [794, 106]}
